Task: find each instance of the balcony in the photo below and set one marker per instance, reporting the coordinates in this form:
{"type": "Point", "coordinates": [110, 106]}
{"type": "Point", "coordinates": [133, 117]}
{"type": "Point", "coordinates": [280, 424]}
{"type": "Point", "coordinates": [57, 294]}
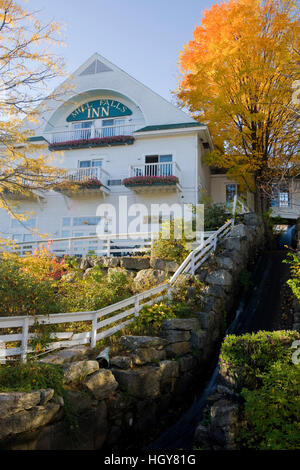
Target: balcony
{"type": "Point", "coordinates": [92, 137]}
{"type": "Point", "coordinates": [83, 182]}
{"type": "Point", "coordinates": [151, 177]}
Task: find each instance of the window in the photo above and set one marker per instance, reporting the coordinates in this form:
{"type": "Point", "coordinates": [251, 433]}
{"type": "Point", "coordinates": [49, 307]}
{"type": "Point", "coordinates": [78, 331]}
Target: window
{"type": "Point", "coordinates": [28, 237]}
{"type": "Point", "coordinates": [78, 221]}
{"type": "Point", "coordinates": [158, 165]}
{"type": "Point", "coordinates": [107, 128]}
{"type": "Point", "coordinates": [23, 237]}
{"type": "Point", "coordinates": [90, 164]}
{"type": "Point", "coordinates": [280, 196]}
{"type": "Point", "coordinates": [83, 130]}
{"type": "Point", "coordinates": [232, 190]}
{"type": "Point", "coordinates": [18, 238]}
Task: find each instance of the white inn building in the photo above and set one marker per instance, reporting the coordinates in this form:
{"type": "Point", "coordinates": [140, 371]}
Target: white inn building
{"type": "Point", "coordinates": [116, 137]}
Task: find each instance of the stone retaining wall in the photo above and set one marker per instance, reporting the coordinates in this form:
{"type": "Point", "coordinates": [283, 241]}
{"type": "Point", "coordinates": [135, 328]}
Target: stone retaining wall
{"type": "Point", "coordinates": [150, 384]}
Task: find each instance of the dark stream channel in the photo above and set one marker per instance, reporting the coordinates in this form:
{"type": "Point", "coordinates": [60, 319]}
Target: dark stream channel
{"type": "Point", "coordinates": [259, 309]}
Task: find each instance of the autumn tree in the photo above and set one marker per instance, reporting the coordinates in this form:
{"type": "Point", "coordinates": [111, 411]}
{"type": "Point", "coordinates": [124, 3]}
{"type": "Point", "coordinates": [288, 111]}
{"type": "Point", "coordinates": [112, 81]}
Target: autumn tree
{"type": "Point", "coordinates": [26, 68]}
{"type": "Point", "coordinates": [238, 76]}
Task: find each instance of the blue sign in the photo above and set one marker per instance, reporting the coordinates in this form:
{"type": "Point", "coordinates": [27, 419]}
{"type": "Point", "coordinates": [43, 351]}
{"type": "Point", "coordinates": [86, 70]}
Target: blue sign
{"type": "Point", "coordinates": [99, 109]}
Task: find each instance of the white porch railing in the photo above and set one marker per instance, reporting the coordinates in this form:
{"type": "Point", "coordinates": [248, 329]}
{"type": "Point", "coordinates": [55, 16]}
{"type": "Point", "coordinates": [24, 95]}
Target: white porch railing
{"type": "Point", "coordinates": [85, 174]}
{"type": "Point", "coordinates": [108, 320]}
{"type": "Point", "coordinates": [101, 245]}
{"type": "Point", "coordinates": [155, 169]}
{"type": "Point", "coordinates": [92, 133]}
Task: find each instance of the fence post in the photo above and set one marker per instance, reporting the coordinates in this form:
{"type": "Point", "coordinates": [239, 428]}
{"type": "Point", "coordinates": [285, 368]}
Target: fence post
{"type": "Point", "coordinates": [108, 248]}
{"type": "Point", "coordinates": [25, 339]}
{"type": "Point", "coordinates": [2, 353]}
{"type": "Point", "coordinates": [193, 264]}
{"type": "Point", "coordinates": [137, 306]}
{"type": "Point", "coordinates": [70, 246]}
{"type": "Point", "coordinates": [94, 332]}
{"type": "Point", "coordinates": [234, 210]}
{"type": "Point", "coordinates": [215, 242]}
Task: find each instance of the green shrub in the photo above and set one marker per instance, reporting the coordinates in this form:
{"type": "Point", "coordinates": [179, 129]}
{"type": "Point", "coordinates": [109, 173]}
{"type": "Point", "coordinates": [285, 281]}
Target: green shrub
{"type": "Point", "coordinates": [294, 282]}
{"type": "Point", "coordinates": [31, 376]}
{"type": "Point", "coordinates": [180, 291]}
{"type": "Point", "coordinates": [273, 411]}
{"type": "Point", "coordinates": [95, 291]}
{"type": "Point", "coordinates": [168, 246]}
{"type": "Point", "coordinates": [151, 318]}
{"type": "Point", "coordinates": [24, 294]}
{"type": "Point", "coordinates": [170, 250]}
{"type": "Point", "coordinates": [247, 357]}
{"type": "Point", "coordinates": [215, 216]}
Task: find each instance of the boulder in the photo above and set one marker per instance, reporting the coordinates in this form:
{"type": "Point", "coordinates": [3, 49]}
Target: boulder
{"type": "Point", "coordinates": [199, 339]}
{"type": "Point", "coordinates": [169, 370]}
{"type": "Point", "coordinates": [80, 401]}
{"type": "Point", "coordinates": [220, 278]}
{"type": "Point", "coordinates": [210, 303]}
{"type": "Point", "coordinates": [164, 265]}
{"type": "Point", "coordinates": [178, 349]}
{"type": "Point", "coordinates": [172, 267]}
{"type": "Point", "coordinates": [187, 363]}
{"type": "Point", "coordinates": [148, 277]}
{"type": "Point", "coordinates": [224, 423]}
{"type": "Point", "coordinates": [144, 356]}
{"type": "Point", "coordinates": [121, 362]}
{"type": "Point", "coordinates": [102, 384]}
{"type": "Point", "coordinates": [135, 263]}
{"type": "Point", "coordinates": [65, 356]}
{"type": "Point", "coordinates": [112, 262]}
{"type": "Point", "coordinates": [78, 371]}
{"type": "Point", "coordinates": [240, 231]}
{"type": "Point", "coordinates": [85, 264]}
{"type": "Point", "coordinates": [158, 263]}
{"type": "Point", "coordinates": [202, 437]}
{"type": "Point", "coordinates": [181, 324]}
{"type": "Point", "coordinates": [234, 244]}
{"type": "Point", "coordinates": [208, 320]}
{"type": "Point", "coordinates": [225, 262]}
{"type": "Point", "coordinates": [14, 402]}
{"type": "Point", "coordinates": [175, 336]}
{"type": "Point", "coordinates": [140, 383]}
{"type": "Point", "coordinates": [46, 396]}
{"type": "Point", "coordinates": [29, 420]}
{"type": "Point", "coordinates": [136, 342]}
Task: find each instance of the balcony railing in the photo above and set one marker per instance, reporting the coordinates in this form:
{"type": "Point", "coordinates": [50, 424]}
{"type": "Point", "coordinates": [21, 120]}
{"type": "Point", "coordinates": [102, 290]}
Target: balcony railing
{"type": "Point", "coordinates": [92, 133]}
{"type": "Point", "coordinates": [81, 175]}
{"type": "Point", "coordinates": [155, 169]}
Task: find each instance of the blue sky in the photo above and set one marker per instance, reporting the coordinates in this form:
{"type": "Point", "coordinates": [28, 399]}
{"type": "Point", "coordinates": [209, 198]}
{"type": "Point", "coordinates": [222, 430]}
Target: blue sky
{"type": "Point", "coordinates": [143, 37]}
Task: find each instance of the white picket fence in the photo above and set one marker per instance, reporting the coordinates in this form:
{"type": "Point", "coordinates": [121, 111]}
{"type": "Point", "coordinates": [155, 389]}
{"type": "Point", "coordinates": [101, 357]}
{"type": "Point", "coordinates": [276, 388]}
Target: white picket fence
{"type": "Point", "coordinates": [108, 320]}
{"type": "Point", "coordinates": [100, 245]}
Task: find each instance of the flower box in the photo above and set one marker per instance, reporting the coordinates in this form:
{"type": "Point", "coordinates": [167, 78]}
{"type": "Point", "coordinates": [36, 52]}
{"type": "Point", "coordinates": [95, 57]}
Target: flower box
{"type": "Point", "coordinates": [150, 181]}
{"type": "Point", "coordinates": [74, 186]}
{"type": "Point", "coordinates": [95, 142]}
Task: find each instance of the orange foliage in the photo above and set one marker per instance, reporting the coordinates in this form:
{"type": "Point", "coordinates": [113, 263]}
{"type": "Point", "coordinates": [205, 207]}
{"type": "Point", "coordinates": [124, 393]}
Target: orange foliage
{"type": "Point", "coordinates": [238, 75]}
